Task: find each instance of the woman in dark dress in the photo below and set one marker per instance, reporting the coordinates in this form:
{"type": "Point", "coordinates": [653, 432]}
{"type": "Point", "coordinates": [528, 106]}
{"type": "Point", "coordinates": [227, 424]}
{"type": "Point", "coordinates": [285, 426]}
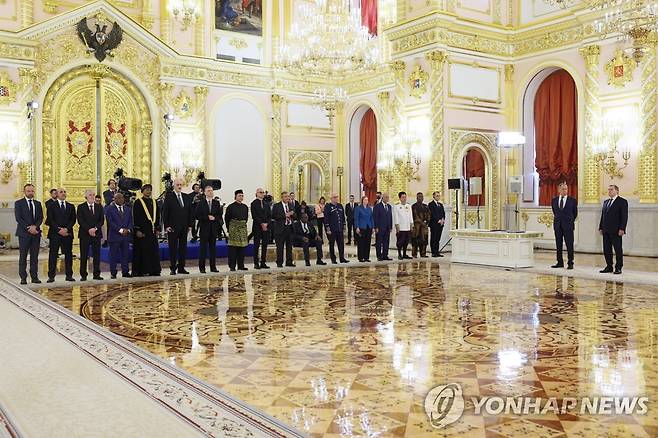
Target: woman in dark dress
{"type": "Point", "coordinates": [146, 251]}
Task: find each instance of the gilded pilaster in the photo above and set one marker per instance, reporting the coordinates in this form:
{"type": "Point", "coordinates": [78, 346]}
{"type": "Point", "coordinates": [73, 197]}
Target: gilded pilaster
{"type": "Point", "coordinates": [165, 29]}
{"type": "Point", "coordinates": [341, 147]}
{"type": "Point", "coordinates": [397, 112]}
{"type": "Point", "coordinates": [591, 171]}
{"type": "Point", "coordinates": [647, 158]}
{"type": "Point", "coordinates": [277, 170]}
{"type": "Point", "coordinates": [27, 13]}
{"type": "Point", "coordinates": [146, 129]}
{"type": "Point", "coordinates": [401, 10]}
{"type": "Point", "coordinates": [147, 15]}
{"type": "Point", "coordinates": [384, 128]}
{"type": "Point", "coordinates": [199, 43]}
{"type": "Point", "coordinates": [437, 61]}
{"type": "Point", "coordinates": [200, 95]}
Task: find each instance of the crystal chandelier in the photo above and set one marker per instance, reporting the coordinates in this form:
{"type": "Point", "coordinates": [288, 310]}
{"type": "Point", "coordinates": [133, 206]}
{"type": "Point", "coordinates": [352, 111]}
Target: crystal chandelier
{"type": "Point", "coordinates": [635, 20]}
{"type": "Point", "coordinates": [328, 40]}
{"type": "Point", "coordinates": [185, 11]}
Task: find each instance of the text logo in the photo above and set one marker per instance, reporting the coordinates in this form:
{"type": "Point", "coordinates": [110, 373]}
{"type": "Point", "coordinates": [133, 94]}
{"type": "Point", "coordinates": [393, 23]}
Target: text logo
{"type": "Point", "coordinates": [444, 405]}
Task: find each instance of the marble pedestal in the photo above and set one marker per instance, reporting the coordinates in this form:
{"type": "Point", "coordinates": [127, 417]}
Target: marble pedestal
{"type": "Point", "coordinates": [494, 248]}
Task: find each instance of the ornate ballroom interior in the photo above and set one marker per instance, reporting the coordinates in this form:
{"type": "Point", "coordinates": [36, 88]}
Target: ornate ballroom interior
{"type": "Point", "coordinates": [349, 97]}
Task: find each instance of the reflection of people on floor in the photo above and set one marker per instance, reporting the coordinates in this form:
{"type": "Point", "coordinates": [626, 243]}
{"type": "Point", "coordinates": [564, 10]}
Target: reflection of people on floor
{"type": "Point", "coordinates": [306, 236]}
{"type": "Point", "coordinates": [403, 220]}
{"type": "Point", "coordinates": [420, 232]}
{"type": "Point", "coordinates": [236, 222]}
{"type": "Point", "coordinates": [119, 226]}
{"type": "Point", "coordinates": [146, 251]}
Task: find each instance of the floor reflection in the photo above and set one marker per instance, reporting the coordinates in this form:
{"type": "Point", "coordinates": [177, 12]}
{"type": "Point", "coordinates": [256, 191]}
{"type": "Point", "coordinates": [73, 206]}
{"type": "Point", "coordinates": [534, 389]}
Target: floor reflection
{"type": "Point", "coordinates": [354, 351]}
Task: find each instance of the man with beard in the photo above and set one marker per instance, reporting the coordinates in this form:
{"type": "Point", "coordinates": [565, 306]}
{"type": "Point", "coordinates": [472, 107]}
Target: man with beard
{"type": "Point", "coordinates": [146, 219]}
{"type": "Point", "coordinates": [236, 221]}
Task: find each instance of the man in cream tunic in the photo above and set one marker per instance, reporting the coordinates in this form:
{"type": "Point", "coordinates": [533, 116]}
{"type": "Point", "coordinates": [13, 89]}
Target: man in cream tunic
{"type": "Point", "coordinates": [403, 220]}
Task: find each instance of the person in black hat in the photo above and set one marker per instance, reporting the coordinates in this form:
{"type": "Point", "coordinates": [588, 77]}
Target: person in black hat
{"type": "Point", "coordinates": [236, 217]}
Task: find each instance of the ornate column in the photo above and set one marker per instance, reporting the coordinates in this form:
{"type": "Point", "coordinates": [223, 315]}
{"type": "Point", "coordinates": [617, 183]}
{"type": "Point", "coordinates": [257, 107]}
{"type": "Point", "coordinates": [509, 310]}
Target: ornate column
{"type": "Point", "coordinates": [147, 15]}
{"type": "Point", "coordinates": [277, 170]}
{"type": "Point", "coordinates": [647, 158]}
{"type": "Point", "coordinates": [591, 171]}
{"type": "Point", "coordinates": [199, 43]}
{"type": "Point", "coordinates": [341, 147]}
{"type": "Point", "coordinates": [397, 118]}
{"type": "Point", "coordinates": [384, 132]}
{"type": "Point", "coordinates": [165, 29]}
{"type": "Point", "coordinates": [400, 10]}
{"type": "Point", "coordinates": [27, 13]}
{"type": "Point", "coordinates": [146, 129]}
{"type": "Point", "coordinates": [437, 60]}
{"type": "Point", "coordinates": [200, 95]}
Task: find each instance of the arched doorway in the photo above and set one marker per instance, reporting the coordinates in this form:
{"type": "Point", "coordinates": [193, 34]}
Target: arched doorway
{"type": "Point", "coordinates": [94, 121]}
{"type": "Point", "coordinates": [363, 153]}
{"type": "Point", "coordinates": [476, 177]}
{"type": "Point", "coordinates": [550, 111]}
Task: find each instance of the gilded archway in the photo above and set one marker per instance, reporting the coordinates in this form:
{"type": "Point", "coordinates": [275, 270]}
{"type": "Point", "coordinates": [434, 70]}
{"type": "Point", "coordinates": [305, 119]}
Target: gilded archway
{"type": "Point", "coordinates": [322, 160]}
{"type": "Point", "coordinates": [79, 102]}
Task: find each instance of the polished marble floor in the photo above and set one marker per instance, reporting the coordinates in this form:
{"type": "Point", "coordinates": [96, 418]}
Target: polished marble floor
{"type": "Point", "coordinates": [353, 351]}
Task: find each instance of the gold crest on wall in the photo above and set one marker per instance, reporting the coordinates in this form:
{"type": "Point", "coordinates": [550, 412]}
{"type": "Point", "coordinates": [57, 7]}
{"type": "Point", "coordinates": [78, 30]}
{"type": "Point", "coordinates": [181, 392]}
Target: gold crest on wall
{"type": "Point", "coordinates": [183, 105]}
{"type": "Point", "coordinates": [7, 89]}
{"type": "Point", "coordinates": [418, 82]}
{"type": "Point", "coordinates": [620, 69]}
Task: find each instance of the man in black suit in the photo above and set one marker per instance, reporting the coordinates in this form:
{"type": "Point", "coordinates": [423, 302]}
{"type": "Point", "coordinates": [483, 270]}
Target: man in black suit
{"type": "Point", "coordinates": [108, 195]}
{"type": "Point", "coordinates": [382, 216]}
{"type": "Point", "coordinates": [282, 215]}
{"type": "Point", "coordinates": [29, 216]}
{"type": "Point", "coordinates": [91, 220]}
{"type": "Point", "coordinates": [177, 219]}
{"type": "Point", "coordinates": [614, 217]}
{"type": "Point", "coordinates": [349, 215]}
{"type": "Point", "coordinates": [60, 218]}
{"type": "Point", "coordinates": [305, 235]}
{"type": "Point", "coordinates": [437, 221]}
{"type": "Point", "coordinates": [196, 197]}
{"type": "Point", "coordinates": [294, 205]}
{"type": "Point", "coordinates": [261, 215]}
{"type": "Point", "coordinates": [53, 198]}
{"type": "Point", "coordinates": [565, 212]}
{"type": "Point", "coordinates": [207, 213]}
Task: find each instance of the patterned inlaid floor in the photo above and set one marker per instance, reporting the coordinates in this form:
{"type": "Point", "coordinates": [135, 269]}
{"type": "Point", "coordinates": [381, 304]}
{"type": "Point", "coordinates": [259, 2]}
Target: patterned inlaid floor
{"type": "Point", "coordinates": [353, 351]}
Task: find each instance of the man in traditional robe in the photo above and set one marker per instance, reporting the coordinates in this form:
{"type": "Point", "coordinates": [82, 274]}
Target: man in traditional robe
{"type": "Point", "coordinates": [419, 234]}
{"type": "Point", "coordinates": [403, 220]}
{"type": "Point", "coordinates": [146, 220]}
{"type": "Point", "coordinates": [60, 219]}
{"type": "Point", "coordinates": [208, 212]}
{"type": "Point", "coordinates": [236, 217]}
{"type": "Point", "coordinates": [260, 229]}
{"type": "Point", "coordinates": [437, 221]}
{"type": "Point", "coordinates": [90, 220]}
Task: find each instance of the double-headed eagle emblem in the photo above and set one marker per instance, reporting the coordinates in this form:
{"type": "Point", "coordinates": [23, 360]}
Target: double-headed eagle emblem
{"type": "Point", "coordinates": [100, 39]}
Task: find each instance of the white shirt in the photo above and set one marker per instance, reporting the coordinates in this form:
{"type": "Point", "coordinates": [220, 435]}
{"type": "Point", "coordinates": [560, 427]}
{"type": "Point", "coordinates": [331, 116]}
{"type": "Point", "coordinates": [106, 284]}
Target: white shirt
{"type": "Point", "coordinates": [612, 200]}
{"type": "Point", "coordinates": [403, 217]}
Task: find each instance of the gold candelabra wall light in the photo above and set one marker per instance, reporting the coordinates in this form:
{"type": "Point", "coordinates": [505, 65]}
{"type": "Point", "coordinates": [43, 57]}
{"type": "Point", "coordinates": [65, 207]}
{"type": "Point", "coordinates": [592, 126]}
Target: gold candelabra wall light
{"type": "Point", "coordinates": [10, 153]}
{"type": "Point", "coordinates": [606, 152]}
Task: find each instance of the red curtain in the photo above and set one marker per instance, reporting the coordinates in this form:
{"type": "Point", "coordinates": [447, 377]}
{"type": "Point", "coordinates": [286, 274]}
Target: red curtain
{"type": "Point", "coordinates": [368, 158]}
{"type": "Point", "coordinates": [556, 137]}
{"type": "Point", "coordinates": [474, 168]}
{"type": "Point", "coordinates": [369, 15]}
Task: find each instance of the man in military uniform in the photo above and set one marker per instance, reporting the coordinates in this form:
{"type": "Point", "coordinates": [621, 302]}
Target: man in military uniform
{"type": "Point", "coordinates": [419, 234]}
{"type": "Point", "coordinates": [334, 223]}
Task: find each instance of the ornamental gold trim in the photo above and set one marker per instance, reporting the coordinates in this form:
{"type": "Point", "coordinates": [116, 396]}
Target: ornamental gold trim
{"type": "Point", "coordinates": [620, 69]}
{"type": "Point", "coordinates": [418, 82]}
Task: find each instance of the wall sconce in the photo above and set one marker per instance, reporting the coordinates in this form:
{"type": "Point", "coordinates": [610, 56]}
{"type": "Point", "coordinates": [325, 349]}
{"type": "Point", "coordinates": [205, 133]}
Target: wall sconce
{"type": "Point", "coordinates": [605, 149]}
{"type": "Point", "coordinates": [185, 11]}
{"type": "Point", "coordinates": [9, 151]}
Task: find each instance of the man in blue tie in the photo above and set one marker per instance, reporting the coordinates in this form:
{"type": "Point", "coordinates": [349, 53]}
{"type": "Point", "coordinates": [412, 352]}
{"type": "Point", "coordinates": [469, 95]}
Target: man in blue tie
{"type": "Point", "coordinates": [565, 212]}
{"type": "Point", "coordinates": [119, 229]}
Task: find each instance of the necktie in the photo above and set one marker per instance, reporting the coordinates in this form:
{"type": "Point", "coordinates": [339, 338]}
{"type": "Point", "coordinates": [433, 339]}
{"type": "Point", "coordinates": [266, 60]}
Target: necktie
{"type": "Point", "coordinates": [62, 205]}
{"type": "Point", "coordinates": [305, 228]}
{"type": "Point", "coordinates": [180, 200]}
{"type": "Point", "coordinates": [91, 208]}
{"type": "Point", "coordinates": [210, 206]}
{"type": "Point", "coordinates": [31, 208]}
{"type": "Point", "coordinates": [561, 202]}
{"type": "Point", "coordinates": [285, 209]}
{"type": "Point", "coordinates": [121, 210]}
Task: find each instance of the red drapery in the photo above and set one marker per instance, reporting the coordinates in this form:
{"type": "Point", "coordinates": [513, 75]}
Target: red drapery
{"type": "Point", "coordinates": [369, 15]}
{"type": "Point", "coordinates": [368, 156]}
{"type": "Point", "coordinates": [474, 168]}
{"type": "Point", "coordinates": [556, 137]}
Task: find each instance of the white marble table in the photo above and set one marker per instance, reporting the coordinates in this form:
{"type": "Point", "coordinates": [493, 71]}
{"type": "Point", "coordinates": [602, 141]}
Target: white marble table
{"type": "Point", "coordinates": [494, 248]}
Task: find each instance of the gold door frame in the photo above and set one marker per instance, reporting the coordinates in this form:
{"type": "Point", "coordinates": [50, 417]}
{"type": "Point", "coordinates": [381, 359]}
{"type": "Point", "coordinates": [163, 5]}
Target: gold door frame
{"type": "Point", "coordinates": [140, 151]}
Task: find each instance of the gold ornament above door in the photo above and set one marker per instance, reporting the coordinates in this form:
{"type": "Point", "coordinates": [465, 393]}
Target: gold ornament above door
{"type": "Point", "coordinates": [94, 121]}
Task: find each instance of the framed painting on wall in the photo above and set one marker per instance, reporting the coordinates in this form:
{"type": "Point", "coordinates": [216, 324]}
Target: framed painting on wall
{"type": "Point", "coordinates": [244, 16]}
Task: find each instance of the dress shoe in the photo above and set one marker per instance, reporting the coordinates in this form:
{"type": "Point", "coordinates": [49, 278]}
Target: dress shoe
{"type": "Point", "coordinates": [172, 272]}
{"type": "Point", "coordinates": [278, 265]}
{"type": "Point", "coordinates": [320, 262]}
{"type": "Point", "coordinates": [388, 259]}
{"type": "Point", "coordinates": [50, 280]}
{"type": "Point", "coordinates": [83, 278]}
{"type": "Point", "coordinates": [307, 263]}
{"type": "Point", "coordinates": [439, 255]}
{"type": "Point", "coordinates": [617, 271]}
{"type": "Point", "coordinates": [23, 281]}
{"type": "Point", "coordinates": [558, 265]}
{"type": "Point", "coordinates": [232, 269]}
{"type": "Point", "coordinates": [290, 265]}
{"type": "Point", "coordinates": [70, 279]}
{"type": "Point", "coordinates": [344, 261]}
{"type": "Point", "coordinates": [367, 260]}
{"type": "Point", "coordinates": [400, 258]}
{"type": "Point", "coordinates": [183, 271]}
{"type": "Point", "coordinates": [256, 266]}
{"type": "Point", "coordinates": [423, 256]}
{"type": "Point", "coordinates": [361, 260]}
{"type": "Point", "coordinates": [334, 262]}
{"type": "Point", "coordinates": [97, 277]}
{"type": "Point", "coordinates": [36, 281]}
{"type": "Point", "coordinates": [126, 275]}
{"type": "Point", "coordinates": [406, 257]}
{"type": "Point", "coordinates": [214, 270]}
{"type": "Point", "coordinates": [113, 276]}
{"type": "Point", "coordinates": [605, 271]}
{"type": "Point", "coordinates": [202, 270]}
{"type": "Point", "coordinates": [243, 269]}
{"type": "Point", "coordinates": [569, 267]}
{"type": "Point", "coordinates": [264, 266]}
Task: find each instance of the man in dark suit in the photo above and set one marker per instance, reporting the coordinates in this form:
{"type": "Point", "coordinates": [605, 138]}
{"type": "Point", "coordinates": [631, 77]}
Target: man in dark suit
{"type": "Point", "coordinates": [177, 219]}
{"type": "Point", "coordinates": [108, 195]}
{"type": "Point", "coordinates": [119, 230]}
{"type": "Point", "coordinates": [91, 219]}
{"type": "Point", "coordinates": [60, 218]}
{"type": "Point", "coordinates": [207, 213]}
{"type": "Point", "coordinates": [305, 235]}
{"type": "Point", "coordinates": [282, 215]}
{"type": "Point", "coordinates": [565, 212]}
{"type": "Point", "coordinates": [294, 205]}
{"type": "Point", "coordinates": [614, 217]}
{"type": "Point", "coordinates": [29, 217]}
{"type": "Point", "coordinates": [382, 216]}
{"type": "Point", "coordinates": [334, 224]}
{"type": "Point", "coordinates": [349, 215]}
{"type": "Point", "coordinates": [53, 198]}
{"type": "Point", "coordinates": [261, 215]}
{"type": "Point", "coordinates": [437, 221]}
{"type": "Point", "coordinates": [196, 196]}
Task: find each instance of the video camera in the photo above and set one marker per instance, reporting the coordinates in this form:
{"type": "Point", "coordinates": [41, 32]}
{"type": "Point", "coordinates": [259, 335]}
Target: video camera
{"type": "Point", "coordinates": [127, 186]}
{"type": "Point", "coordinates": [168, 182]}
{"type": "Point", "coordinates": [216, 184]}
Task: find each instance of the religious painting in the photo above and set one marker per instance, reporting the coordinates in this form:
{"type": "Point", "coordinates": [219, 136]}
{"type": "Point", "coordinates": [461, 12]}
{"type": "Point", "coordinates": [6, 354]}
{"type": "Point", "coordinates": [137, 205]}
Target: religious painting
{"type": "Point", "coordinates": [244, 16]}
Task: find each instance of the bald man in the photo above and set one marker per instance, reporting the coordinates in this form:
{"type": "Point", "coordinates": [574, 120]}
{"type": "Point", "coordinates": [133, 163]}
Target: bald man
{"type": "Point", "coordinates": [177, 219]}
